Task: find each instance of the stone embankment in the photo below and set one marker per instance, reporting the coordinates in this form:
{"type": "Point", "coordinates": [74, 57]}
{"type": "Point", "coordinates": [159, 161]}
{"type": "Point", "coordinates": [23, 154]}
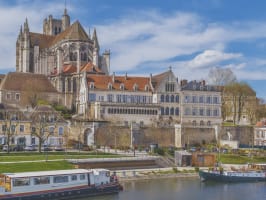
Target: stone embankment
{"type": "Point", "coordinates": [155, 173]}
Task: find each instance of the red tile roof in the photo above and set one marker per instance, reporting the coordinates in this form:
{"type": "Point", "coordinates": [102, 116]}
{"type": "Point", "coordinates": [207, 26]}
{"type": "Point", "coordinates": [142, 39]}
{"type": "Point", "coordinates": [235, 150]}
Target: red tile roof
{"type": "Point", "coordinates": [90, 67]}
{"type": "Point", "coordinates": [69, 69]}
{"type": "Point", "coordinates": [101, 82]}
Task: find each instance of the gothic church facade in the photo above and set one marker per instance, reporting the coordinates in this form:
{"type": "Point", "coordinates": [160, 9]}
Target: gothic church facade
{"type": "Point", "coordinates": [62, 52]}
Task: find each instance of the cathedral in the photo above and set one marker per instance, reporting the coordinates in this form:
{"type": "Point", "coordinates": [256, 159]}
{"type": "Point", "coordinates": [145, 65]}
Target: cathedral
{"type": "Point", "coordinates": [62, 52]}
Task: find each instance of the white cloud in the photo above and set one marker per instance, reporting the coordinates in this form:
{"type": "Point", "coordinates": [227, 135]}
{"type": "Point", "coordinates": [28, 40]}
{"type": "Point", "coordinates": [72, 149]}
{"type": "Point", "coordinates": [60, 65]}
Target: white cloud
{"type": "Point", "coordinates": [210, 58]}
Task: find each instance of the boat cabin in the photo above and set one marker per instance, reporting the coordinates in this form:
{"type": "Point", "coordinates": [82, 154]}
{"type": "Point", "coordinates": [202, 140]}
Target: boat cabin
{"type": "Point", "coordinates": [12, 183]}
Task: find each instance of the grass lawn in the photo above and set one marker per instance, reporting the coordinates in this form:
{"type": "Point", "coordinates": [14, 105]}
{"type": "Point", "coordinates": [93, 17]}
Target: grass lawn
{"type": "Point", "coordinates": [33, 156]}
{"type": "Point", "coordinates": [238, 159]}
{"type": "Point", "coordinates": [35, 166]}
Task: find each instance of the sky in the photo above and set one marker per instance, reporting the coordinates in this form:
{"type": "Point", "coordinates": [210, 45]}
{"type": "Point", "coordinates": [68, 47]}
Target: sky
{"type": "Point", "coordinates": [149, 36]}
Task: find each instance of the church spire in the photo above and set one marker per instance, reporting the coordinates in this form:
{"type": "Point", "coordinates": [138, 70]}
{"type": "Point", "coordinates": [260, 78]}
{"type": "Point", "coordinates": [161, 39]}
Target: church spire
{"type": "Point", "coordinates": [95, 40]}
{"type": "Point", "coordinates": [26, 26]}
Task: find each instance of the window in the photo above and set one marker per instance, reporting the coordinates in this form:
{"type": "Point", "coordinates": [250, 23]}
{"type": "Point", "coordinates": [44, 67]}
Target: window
{"type": "Point", "coordinates": [167, 111]}
{"type": "Point", "coordinates": [172, 98]}
{"type": "Point", "coordinates": [170, 87]}
{"type": "Point", "coordinates": [146, 88]}
{"type": "Point", "coordinates": [41, 180]}
{"type": "Point", "coordinates": [201, 112]}
{"type": "Point", "coordinates": [17, 96]}
{"type": "Point", "coordinates": [177, 98]}
{"type": "Point", "coordinates": [21, 182]}
{"type": "Point", "coordinates": [172, 110]}
{"type": "Point", "coordinates": [194, 123]}
{"type": "Point", "coordinates": [167, 98]}
{"type": "Point", "coordinates": [21, 128]}
{"type": "Point", "coordinates": [91, 85]}
{"type": "Point", "coordinates": [215, 100]}
{"type": "Point", "coordinates": [92, 97]}
{"type": "Point", "coordinates": [208, 112]}
{"type": "Point", "coordinates": [60, 179]}
{"type": "Point", "coordinates": [13, 128]}
{"type": "Point", "coordinates": [176, 111]}
{"type": "Point", "coordinates": [201, 99]}
{"type": "Point", "coordinates": [135, 87]}
{"type": "Point", "coordinates": [74, 178]}
{"type": "Point", "coordinates": [51, 130]}
{"type": "Point", "coordinates": [162, 98]}
{"type": "Point", "coordinates": [194, 99]}
{"type": "Point", "coordinates": [4, 128]}
{"type": "Point", "coordinates": [110, 98]}
{"type": "Point", "coordinates": [162, 111]}
{"type": "Point", "coordinates": [60, 131]}
{"type": "Point", "coordinates": [82, 177]}
{"type": "Point", "coordinates": [194, 111]}
{"type": "Point", "coordinates": [208, 99]}
{"type": "Point", "coordinates": [8, 96]}
{"type": "Point", "coordinates": [201, 123]}
{"type": "Point", "coordinates": [208, 123]}
{"type": "Point", "coordinates": [215, 112]}
{"type": "Point", "coordinates": [122, 86]}
{"type": "Point", "coordinates": [110, 87]}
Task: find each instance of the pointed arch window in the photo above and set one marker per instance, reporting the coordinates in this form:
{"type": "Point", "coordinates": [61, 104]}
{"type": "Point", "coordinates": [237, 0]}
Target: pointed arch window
{"type": "Point", "coordinates": [135, 87]}
{"type": "Point", "coordinates": [91, 85]}
{"type": "Point", "coordinates": [162, 98]}
{"type": "Point", "coordinates": [147, 87]}
{"type": "Point", "coordinates": [110, 86]}
{"type": "Point", "coordinates": [122, 86]}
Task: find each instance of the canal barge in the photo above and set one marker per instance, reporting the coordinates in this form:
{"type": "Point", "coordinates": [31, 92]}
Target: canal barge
{"type": "Point", "coordinates": [59, 184]}
{"type": "Point", "coordinates": [253, 173]}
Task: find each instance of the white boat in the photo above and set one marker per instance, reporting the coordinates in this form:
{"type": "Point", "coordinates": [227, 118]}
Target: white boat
{"type": "Point", "coordinates": [59, 184]}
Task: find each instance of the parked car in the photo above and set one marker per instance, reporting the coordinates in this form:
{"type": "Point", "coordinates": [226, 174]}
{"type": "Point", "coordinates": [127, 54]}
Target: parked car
{"type": "Point", "coordinates": [46, 148]}
{"type": "Point", "coordinates": [30, 148]}
{"type": "Point", "coordinates": [13, 148]}
{"type": "Point", "coordinates": [59, 148]}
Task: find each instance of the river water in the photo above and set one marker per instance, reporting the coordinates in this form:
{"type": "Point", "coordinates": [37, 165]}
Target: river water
{"type": "Point", "coordinates": [187, 189]}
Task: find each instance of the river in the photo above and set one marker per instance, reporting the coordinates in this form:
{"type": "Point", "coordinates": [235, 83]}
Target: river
{"type": "Point", "coordinates": [187, 189]}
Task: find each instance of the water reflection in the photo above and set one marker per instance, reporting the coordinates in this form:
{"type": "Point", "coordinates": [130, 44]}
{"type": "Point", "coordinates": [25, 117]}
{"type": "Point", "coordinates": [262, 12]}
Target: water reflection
{"type": "Point", "coordinates": [187, 188]}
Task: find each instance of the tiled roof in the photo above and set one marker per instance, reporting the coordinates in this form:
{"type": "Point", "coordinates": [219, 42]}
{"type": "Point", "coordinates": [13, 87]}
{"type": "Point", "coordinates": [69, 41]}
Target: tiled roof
{"type": "Point", "coordinates": [74, 32]}
{"type": "Point", "coordinates": [90, 67]}
{"type": "Point", "coordinates": [69, 69]}
{"type": "Point", "coordinates": [18, 81]}
{"type": "Point", "coordinates": [101, 82]}
{"type": "Point", "coordinates": [157, 79]}
{"type": "Point", "coordinates": [41, 40]}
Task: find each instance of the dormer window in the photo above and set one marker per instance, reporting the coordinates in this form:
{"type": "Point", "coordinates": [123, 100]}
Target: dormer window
{"type": "Point", "coordinates": [147, 88]}
{"type": "Point", "coordinates": [91, 85]}
{"type": "Point", "coordinates": [122, 86]}
{"type": "Point", "coordinates": [135, 87]}
{"type": "Point", "coordinates": [110, 86]}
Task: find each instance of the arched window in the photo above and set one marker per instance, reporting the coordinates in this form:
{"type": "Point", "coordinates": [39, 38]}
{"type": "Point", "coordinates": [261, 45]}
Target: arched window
{"type": "Point", "coordinates": [172, 110]}
{"type": "Point", "coordinates": [85, 56]}
{"type": "Point", "coordinates": [75, 56]}
{"type": "Point", "coordinates": [162, 98]}
{"type": "Point", "coordinates": [172, 98]}
{"type": "Point", "coordinates": [167, 111]}
{"type": "Point", "coordinates": [167, 98]}
{"type": "Point", "coordinates": [162, 111]}
{"type": "Point", "coordinates": [122, 86]}
{"type": "Point", "coordinates": [55, 30]}
{"type": "Point", "coordinates": [177, 98]}
{"type": "Point", "coordinates": [176, 111]}
{"type": "Point", "coordinates": [71, 55]}
{"type": "Point", "coordinates": [110, 86]}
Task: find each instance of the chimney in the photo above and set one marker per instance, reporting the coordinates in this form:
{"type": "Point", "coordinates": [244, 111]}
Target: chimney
{"type": "Point", "coordinates": [126, 76]}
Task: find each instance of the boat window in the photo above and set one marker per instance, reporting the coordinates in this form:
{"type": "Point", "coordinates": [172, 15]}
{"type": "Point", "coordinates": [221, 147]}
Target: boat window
{"type": "Point", "coordinates": [60, 179]}
{"type": "Point", "coordinates": [74, 178]}
{"type": "Point", "coordinates": [82, 176]}
{"type": "Point", "coordinates": [21, 182]}
{"type": "Point", "coordinates": [41, 180]}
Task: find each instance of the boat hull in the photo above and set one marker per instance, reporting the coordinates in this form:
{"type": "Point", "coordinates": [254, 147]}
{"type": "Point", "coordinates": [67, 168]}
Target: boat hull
{"type": "Point", "coordinates": [220, 177]}
{"type": "Point", "coordinates": [64, 194]}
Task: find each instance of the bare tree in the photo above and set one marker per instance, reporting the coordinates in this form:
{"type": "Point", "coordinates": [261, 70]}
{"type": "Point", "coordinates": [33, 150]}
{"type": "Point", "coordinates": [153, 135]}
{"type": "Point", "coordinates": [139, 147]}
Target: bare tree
{"type": "Point", "coordinates": [44, 122]}
{"type": "Point", "coordinates": [237, 95]}
{"type": "Point", "coordinates": [221, 76]}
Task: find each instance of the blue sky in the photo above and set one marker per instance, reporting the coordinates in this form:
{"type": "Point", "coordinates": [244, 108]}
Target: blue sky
{"type": "Point", "coordinates": [148, 36]}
